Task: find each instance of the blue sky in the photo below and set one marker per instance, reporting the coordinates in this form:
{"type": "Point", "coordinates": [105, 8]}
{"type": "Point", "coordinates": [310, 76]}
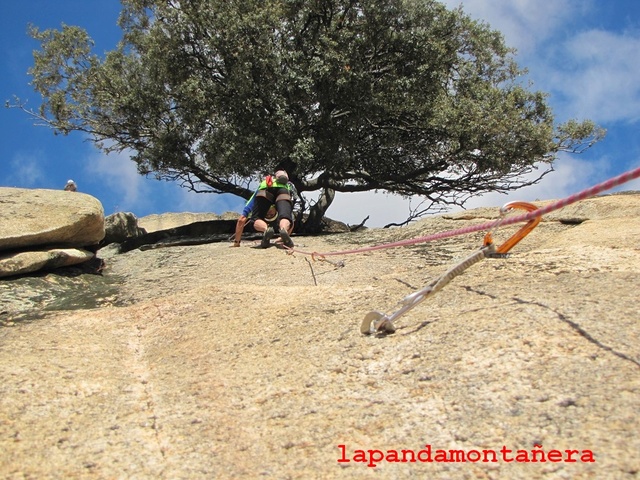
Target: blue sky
{"type": "Point", "coordinates": [584, 53]}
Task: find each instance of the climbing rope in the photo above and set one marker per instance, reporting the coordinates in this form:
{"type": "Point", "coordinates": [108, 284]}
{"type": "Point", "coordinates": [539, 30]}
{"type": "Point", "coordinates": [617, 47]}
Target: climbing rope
{"type": "Point", "coordinates": [502, 222]}
{"type": "Point", "coordinates": [378, 322]}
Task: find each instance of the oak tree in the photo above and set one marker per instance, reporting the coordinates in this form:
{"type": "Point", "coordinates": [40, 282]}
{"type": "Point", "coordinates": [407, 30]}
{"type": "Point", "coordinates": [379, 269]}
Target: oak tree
{"type": "Point", "coordinates": [402, 96]}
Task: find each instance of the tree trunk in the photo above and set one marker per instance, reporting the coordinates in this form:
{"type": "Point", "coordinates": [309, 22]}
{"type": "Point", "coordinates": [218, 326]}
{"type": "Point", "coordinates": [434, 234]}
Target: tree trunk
{"type": "Point", "coordinates": [316, 213]}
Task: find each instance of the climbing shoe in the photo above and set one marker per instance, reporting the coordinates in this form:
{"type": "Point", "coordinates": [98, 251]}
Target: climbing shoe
{"type": "Point", "coordinates": [266, 237]}
{"type": "Point", "coordinates": [286, 239]}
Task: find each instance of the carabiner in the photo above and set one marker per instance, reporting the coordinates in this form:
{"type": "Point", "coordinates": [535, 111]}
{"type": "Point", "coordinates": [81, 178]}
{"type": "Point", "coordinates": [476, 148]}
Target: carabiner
{"type": "Point", "coordinates": [520, 234]}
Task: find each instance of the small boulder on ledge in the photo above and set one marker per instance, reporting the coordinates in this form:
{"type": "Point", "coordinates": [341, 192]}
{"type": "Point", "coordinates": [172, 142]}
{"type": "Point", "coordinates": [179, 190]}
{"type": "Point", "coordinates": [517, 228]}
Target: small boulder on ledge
{"type": "Point", "coordinates": [36, 217]}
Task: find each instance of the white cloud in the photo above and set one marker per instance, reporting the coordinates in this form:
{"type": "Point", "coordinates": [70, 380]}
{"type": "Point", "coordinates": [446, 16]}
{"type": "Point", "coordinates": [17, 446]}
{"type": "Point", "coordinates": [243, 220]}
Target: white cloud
{"type": "Point", "coordinates": [381, 208]}
{"type": "Point", "coordinates": [591, 73]}
{"type": "Point", "coordinates": [600, 76]}
{"type": "Point", "coordinates": [26, 172]}
{"type": "Point", "coordinates": [188, 201]}
{"type": "Point", "coordinates": [524, 23]}
{"type": "Point", "coordinates": [570, 175]}
{"type": "Point", "coordinates": [120, 177]}
{"type": "Point", "coordinates": [126, 190]}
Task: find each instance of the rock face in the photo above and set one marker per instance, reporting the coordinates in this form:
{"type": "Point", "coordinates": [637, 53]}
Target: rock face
{"type": "Point", "coordinates": [215, 362]}
{"type": "Point", "coordinates": [166, 221]}
{"type": "Point", "coordinates": [49, 217]}
{"type": "Point", "coordinates": [193, 233]}
{"type": "Point", "coordinates": [31, 220]}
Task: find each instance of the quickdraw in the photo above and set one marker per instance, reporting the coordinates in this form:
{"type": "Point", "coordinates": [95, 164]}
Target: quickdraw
{"type": "Point", "coordinates": [376, 322]}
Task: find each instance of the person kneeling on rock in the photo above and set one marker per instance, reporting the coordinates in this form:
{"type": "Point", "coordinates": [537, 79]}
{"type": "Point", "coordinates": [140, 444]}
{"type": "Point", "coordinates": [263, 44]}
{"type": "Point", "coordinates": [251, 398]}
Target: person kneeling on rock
{"type": "Point", "coordinates": [270, 207]}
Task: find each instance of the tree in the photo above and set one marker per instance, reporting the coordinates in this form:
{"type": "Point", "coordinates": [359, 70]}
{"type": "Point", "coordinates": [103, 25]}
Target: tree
{"type": "Point", "coordinates": [403, 96]}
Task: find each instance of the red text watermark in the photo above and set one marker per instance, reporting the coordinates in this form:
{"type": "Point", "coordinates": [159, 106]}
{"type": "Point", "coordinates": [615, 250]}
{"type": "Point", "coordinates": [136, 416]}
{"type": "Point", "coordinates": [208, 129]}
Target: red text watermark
{"type": "Point", "coordinates": [373, 457]}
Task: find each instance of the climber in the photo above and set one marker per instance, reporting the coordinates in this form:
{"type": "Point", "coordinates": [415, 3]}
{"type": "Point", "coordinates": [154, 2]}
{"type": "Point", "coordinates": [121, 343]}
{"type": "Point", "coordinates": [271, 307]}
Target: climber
{"type": "Point", "coordinates": [70, 186]}
{"type": "Point", "coordinates": [270, 208]}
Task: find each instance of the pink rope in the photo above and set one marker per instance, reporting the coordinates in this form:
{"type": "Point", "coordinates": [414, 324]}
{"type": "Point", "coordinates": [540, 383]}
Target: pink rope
{"type": "Point", "coordinates": [557, 205]}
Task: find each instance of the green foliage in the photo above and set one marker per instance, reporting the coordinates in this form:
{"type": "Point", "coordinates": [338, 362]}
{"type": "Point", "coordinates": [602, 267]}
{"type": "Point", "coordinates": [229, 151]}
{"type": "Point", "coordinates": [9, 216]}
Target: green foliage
{"type": "Point", "coordinates": [399, 95]}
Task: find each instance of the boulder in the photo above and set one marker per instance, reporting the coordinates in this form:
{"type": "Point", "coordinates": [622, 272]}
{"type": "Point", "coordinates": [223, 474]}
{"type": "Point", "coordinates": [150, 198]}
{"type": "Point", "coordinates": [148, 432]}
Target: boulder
{"type": "Point", "coordinates": [37, 217]}
{"type": "Point", "coordinates": [27, 262]}
{"type": "Point", "coordinates": [120, 227]}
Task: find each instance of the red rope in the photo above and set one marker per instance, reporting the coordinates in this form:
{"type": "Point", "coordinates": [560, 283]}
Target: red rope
{"type": "Point", "coordinates": [557, 205]}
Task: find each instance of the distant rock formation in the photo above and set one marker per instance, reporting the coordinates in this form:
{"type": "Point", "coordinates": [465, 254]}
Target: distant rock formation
{"type": "Point", "coordinates": [167, 221]}
{"type": "Point", "coordinates": [196, 233]}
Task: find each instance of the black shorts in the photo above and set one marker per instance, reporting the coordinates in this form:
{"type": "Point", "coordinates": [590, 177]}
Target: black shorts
{"type": "Point", "coordinates": [278, 195]}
